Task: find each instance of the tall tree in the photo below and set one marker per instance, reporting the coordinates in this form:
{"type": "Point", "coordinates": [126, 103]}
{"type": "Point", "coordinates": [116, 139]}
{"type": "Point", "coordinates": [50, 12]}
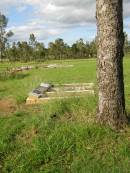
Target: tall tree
{"type": "Point", "coordinates": [111, 106]}
{"type": "Point", "coordinates": [3, 34]}
{"type": "Point", "coordinates": [32, 40]}
{"type": "Point", "coordinates": [93, 49]}
{"type": "Point", "coordinates": [59, 48]}
{"type": "Point", "coordinates": [81, 47]}
{"type": "Point", "coordinates": [40, 52]}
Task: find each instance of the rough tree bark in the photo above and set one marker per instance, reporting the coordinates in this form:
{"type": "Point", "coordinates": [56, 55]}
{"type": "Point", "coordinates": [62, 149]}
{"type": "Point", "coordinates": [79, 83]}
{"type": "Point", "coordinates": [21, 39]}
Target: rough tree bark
{"type": "Point", "coordinates": [110, 41]}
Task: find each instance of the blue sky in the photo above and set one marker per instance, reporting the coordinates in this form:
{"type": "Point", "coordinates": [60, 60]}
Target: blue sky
{"type": "Point", "coordinates": [51, 19]}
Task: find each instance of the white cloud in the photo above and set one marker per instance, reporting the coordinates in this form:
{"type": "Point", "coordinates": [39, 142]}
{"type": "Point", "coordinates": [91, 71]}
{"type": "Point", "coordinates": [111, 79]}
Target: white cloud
{"type": "Point", "coordinates": [126, 8]}
{"type": "Point", "coordinates": [52, 17]}
{"type": "Point", "coordinates": [67, 12]}
{"type": "Point", "coordinates": [22, 32]}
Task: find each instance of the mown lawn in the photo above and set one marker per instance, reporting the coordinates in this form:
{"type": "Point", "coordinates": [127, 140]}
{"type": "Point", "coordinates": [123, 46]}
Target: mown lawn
{"type": "Point", "coordinates": [60, 136]}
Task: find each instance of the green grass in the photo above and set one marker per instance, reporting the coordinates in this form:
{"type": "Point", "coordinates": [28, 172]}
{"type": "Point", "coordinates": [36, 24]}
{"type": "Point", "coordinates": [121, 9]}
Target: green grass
{"type": "Point", "coordinates": [60, 136]}
{"type": "Point", "coordinates": [21, 84]}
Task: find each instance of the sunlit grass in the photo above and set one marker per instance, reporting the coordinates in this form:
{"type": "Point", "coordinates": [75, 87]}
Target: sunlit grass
{"type": "Point", "coordinates": [60, 136]}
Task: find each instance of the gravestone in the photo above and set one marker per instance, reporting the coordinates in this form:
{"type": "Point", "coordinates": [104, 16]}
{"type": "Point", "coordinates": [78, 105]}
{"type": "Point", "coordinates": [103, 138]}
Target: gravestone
{"type": "Point", "coordinates": [46, 92]}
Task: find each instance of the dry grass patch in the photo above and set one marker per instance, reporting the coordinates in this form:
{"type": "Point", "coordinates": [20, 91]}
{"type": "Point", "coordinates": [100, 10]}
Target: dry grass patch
{"type": "Point", "coordinates": [27, 135]}
{"type": "Point", "coordinates": [7, 106]}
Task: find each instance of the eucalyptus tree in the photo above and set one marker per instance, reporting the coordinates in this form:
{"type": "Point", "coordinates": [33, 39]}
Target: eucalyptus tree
{"type": "Point", "coordinates": [32, 40]}
{"type": "Point", "coordinates": [111, 106]}
{"type": "Point", "coordinates": [40, 52]}
{"type": "Point", "coordinates": [93, 48]}
{"type": "Point", "coordinates": [81, 48]}
{"type": "Point", "coordinates": [51, 51]}
{"type": "Point", "coordinates": [59, 48]}
{"type": "Point", "coordinates": [3, 34]}
{"type": "Point", "coordinates": [74, 50]}
{"type": "Point", "coordinates": [23, 51]}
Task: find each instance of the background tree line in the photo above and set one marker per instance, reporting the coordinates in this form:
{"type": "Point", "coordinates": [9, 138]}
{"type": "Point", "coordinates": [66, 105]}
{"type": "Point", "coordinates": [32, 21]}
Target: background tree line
{"type": "Point", "coordinates": [36, 51]}
{"type": "Point", "coordinates": [32, 50]}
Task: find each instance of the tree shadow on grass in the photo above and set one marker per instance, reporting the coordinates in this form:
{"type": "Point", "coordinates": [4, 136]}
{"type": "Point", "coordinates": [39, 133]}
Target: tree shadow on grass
{"type": "Point", "coordinates": [7, 76]}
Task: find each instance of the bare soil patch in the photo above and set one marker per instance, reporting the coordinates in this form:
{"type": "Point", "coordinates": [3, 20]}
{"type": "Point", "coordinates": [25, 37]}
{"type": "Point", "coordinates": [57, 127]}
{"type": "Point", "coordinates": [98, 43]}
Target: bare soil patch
{"type": "Point", "coordinates": [7, 106]}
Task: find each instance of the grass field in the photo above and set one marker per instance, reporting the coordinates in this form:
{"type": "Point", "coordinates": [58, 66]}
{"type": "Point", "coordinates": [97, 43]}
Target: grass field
{"type": "Point", "coordinates": [60, 136]}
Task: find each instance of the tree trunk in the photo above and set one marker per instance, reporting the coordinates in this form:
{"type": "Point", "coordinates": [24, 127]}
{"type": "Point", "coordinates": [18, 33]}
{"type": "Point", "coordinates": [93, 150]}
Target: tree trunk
{"type": "Point", "coordinates": [110, 41]}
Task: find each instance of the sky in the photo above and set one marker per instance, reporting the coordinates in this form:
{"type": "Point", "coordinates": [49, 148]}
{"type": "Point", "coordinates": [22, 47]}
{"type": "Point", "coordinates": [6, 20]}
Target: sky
{"type": "Point", "coordinates": [51, 19]}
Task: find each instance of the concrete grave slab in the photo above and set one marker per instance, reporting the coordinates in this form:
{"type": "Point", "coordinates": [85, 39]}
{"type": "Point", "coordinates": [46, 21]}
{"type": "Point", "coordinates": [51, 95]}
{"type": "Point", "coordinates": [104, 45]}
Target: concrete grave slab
{"type": "Point", "coordinates": [46, 92]}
